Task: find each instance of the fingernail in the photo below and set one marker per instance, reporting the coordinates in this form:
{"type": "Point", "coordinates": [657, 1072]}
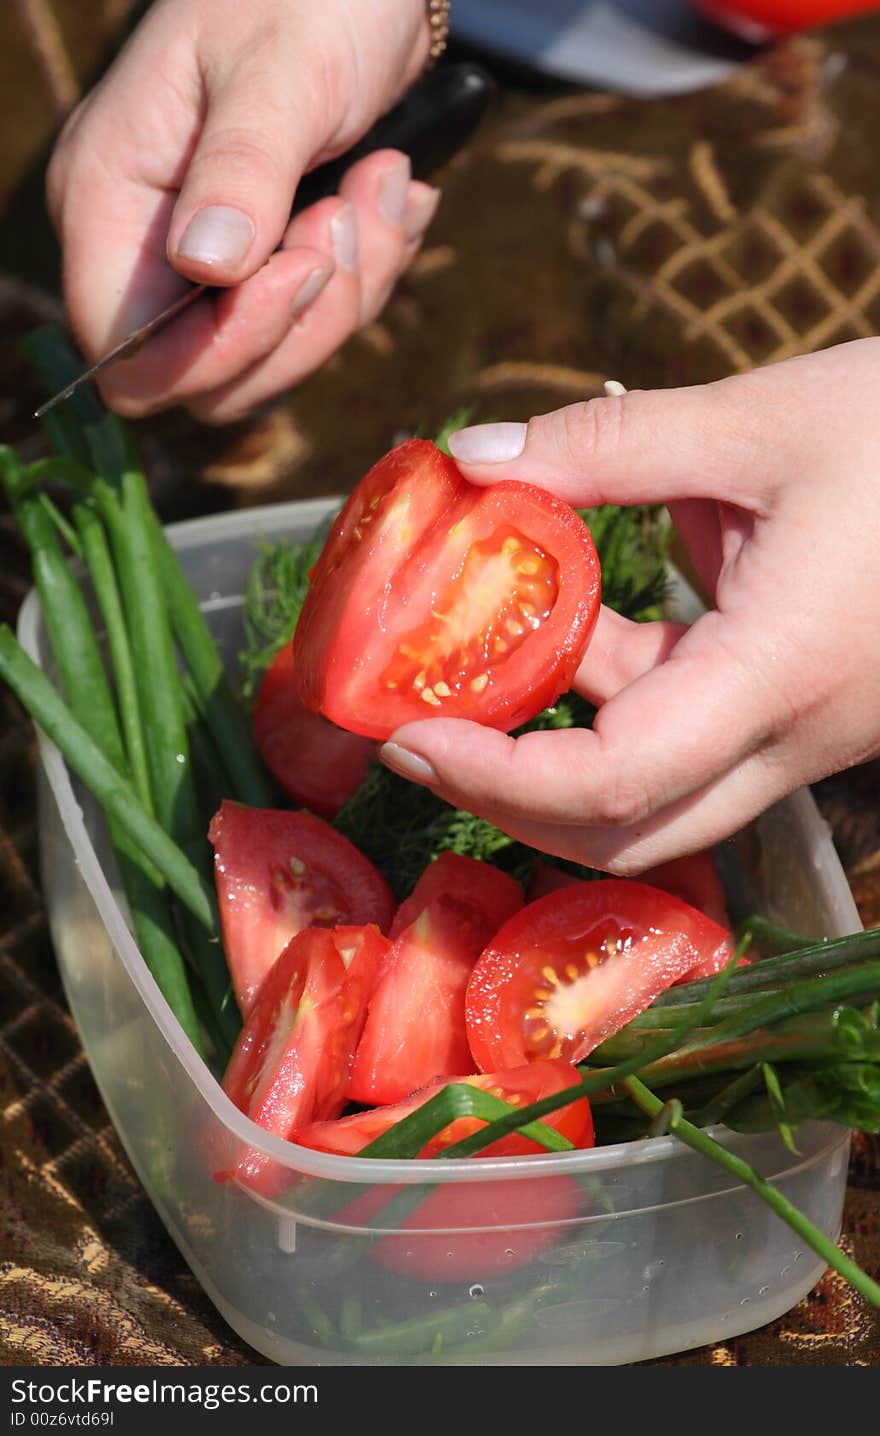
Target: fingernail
{"type": "Point", "coordinates": [310, 289]}
{"type": "Point", "coordinates": [421, 206]}
{"type": "Point", "coordinates": [217, 235]}
{"type": "Point", "coordinates": [488, 443]}
{"type": "Point", "coordinates": [393, 192]}
{"type": "Point", "coordinates": [344, 238]}
{"type": "Point", "coordinates": [407, 764]}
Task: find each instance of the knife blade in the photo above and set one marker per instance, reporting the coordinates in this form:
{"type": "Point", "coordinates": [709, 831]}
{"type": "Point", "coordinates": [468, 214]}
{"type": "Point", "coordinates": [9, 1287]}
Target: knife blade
{"type": "Point", "coordinates": [432, 122]}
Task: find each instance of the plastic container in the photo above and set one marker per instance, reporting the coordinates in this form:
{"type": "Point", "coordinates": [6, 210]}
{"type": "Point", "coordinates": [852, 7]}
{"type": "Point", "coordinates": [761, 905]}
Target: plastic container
{"type": "Point", "coordinates": [593, 1258]}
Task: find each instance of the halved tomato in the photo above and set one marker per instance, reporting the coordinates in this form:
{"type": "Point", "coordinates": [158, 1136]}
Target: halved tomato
{"type": "Point", "coordinates": [316, 763]}
{"type": "Point", "coordinates": [349, 1135]}
{"type": "Point", "coordinates": [434, 598]}
{"type": "Point", "coordinates": [278, 873]}
{"type": "Point", "coordinates": [494, 894]}
{"type": "Point", "coordinates": [572, 968]}
{"type": "Point", "coordinates": [293, 1057]}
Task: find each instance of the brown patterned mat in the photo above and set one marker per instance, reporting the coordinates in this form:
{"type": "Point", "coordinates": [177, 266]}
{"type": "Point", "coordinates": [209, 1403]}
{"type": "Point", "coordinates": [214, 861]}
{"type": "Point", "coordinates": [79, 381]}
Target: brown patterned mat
{"type": "Point", "coordinates": [582, 236]}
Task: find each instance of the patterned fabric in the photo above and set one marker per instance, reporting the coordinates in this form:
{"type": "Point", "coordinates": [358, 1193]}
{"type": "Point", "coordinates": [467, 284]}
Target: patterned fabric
{"type": "Point", "coordinates": [581, 237]}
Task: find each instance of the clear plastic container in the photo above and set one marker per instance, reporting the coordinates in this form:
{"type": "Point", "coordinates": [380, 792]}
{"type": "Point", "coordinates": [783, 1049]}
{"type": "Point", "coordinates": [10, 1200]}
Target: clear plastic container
{"type": "Point", "coordinates": [591, 1258]}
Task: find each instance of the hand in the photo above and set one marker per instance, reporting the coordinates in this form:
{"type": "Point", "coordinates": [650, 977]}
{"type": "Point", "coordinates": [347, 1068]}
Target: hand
{"type": "Point", "coordinates": [182, 165]}
{"type": "Point", "coordinates": [773, 480]}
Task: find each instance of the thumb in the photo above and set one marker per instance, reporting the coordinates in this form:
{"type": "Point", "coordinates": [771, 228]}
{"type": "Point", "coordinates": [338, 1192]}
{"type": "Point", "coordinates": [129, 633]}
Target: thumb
{"type": "Point", "coordinates": [235, 199]}
{"type": "Point", "coordinates": [628, 448]}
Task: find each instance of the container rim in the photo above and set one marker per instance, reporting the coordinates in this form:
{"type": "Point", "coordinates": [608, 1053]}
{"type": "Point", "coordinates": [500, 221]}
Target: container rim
{"type": "Point", "coordinates": [303, 1160]}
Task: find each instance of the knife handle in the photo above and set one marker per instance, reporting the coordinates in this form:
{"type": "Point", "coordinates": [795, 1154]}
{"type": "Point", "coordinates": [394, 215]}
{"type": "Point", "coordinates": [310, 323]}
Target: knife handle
{"type": "Point", "coordinates": [432, 122]}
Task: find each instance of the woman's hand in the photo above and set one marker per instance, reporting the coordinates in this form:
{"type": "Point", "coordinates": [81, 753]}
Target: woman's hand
{"type": "Point", "coordinates": [182, 165]}
{"type": "Point", "coordinates": [773, 480]}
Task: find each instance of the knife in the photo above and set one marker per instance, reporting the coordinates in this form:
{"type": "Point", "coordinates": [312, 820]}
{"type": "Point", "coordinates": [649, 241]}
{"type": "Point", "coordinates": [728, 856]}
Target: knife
{"type": "Point", "coordinates": [432, 122]}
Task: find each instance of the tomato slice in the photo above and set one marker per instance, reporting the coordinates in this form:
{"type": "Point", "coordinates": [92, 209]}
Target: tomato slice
{"type": "Point", "coordinates": [574, 967]}
{"type": "Point", "coordinates": [349, 1135]}
{"type": "Point", "coordinates": [434, 598]}
{"type": "Point", "coordinates": [278, 873]}
{"type": "Point", "coordinates": [293, 1057]}
{"type": "Point", "coordinates": [316, 763]}
{"type": "Point", "coordinates": [494, 894]}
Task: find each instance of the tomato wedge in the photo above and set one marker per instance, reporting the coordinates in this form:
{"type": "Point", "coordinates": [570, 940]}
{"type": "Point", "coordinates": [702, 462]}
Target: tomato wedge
{"type": "Point", "coordinates": [293, 1057]}
{"type": "Point", "coordinates": [317, 764]}
{"type": "Point", "coordinates": [416, 1029]}
{"type": "Point", "coordinates": [494, 894]}
{"type": "Point", "coordinates": [349, 1135]}
{"type": "Point", "coordinates": [278, 873]}
{"type": "Point", "coordinates": [572, 968]}
{"type": "Point", "coordinates": [433, 598]}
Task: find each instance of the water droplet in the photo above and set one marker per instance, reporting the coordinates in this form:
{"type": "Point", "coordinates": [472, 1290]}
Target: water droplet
{"type": "Point", "coordinates": [763, 1290]}
{"type": "Point", "coordinates": [785, 1270]}
{"type": "Point", "coordinates": [477, 1291]}
{"type": "Point", "coordinates": [745, 1301]}
{"type": "Point", "coordinates": [179, 758]}
{"type": "Point", "coordinates": [739, 1236]}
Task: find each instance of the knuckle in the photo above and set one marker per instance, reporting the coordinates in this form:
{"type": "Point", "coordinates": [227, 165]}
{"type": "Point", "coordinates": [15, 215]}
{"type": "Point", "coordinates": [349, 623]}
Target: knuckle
{"type": "Point", "coordinates": [621, 801]}
{"type": "Point", "coordinates": [594, 426]}
{"type": "Point", "coordinates": [239, 154]}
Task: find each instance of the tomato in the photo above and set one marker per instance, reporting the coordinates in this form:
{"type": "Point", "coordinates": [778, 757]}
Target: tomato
{"type": "Point", "coordinates": [548, 878]}
{"type": "Point", "coordinates": [349, 1135]}
{"type": "Point", "coordinates": [695, 880]}
{"type": "Point", "coordinates": [495, 895]}
{"type": "Point", "coordinates": [317, 764]}
{"type": "Point", "coordinates": [758, 19]}
{"type": "Point", "coordinates": [293, 1057]}
{"type": "Point", "coordinates": [572, 968]}
{"type": "Point", "coordinates": [279, 872]}
{"type": "Point", "coordinates": [434, 598]}
{"type": "Point", "coordinates": [415, 1029]}
{"type": "Point", "coordinates": [464, 1231]}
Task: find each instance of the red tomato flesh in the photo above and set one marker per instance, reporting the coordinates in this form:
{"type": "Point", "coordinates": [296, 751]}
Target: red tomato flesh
{"type": "Point", "coordinates": [574, 967]}
{"type": "Point", "coordinates": [317, 764]}
{"type": "Point", "coordinates": [277, 873]}
{"type": "Point", "coordinates": [416, 1027]}
{"type": "Point", "coordinates": [434, 598]}
{"type": "Point", "coordinates": [293, 1057]}
{"type": "Point", "coordinates": [349, 1135]}
{"type": "Point", "coordinates": [494, 894]}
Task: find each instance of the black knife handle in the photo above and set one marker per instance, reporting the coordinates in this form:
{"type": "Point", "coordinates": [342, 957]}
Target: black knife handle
{"type": "Point", "coordinates": [432, 122]}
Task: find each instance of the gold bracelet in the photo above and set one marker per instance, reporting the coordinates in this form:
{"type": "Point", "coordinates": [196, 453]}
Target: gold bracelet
{"type": "Point", "coordinates": [438, 19]}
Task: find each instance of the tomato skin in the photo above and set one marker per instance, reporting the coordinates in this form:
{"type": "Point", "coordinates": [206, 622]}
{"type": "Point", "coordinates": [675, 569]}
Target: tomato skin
{"type": "Point", "coordinates": [317, 764]}
{"type": "Point", "coordinates": [293, 1057]}
{"type": "Point", "coordinates": [494, 894]}
{"type": "Point", "coordinates": [779, 17]}
{"type": "Point", "coordinates": [279, 872]}
{"type": "Point", "coordinates": [434, 598]}
{"type": "Point", "coordinates": [349, 1135]}
{"type": "Point", "coordinates": [547, 986]}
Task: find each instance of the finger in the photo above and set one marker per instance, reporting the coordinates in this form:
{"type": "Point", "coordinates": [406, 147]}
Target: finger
{"type": "Point", "coordinates": [257, 137]}
{"type": "Point", "coordinates": [699, 821]}
{"type": "Point", "coordinates": [643, 447]}
{"type": "Point", "coordinates": [331, 226]}
{"type": "Point", "coordinates": [213, 341]}
{"type": "Point", "coordinates": [621, 651]}
{"type": "Point", "coordinates": [379, 188]}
